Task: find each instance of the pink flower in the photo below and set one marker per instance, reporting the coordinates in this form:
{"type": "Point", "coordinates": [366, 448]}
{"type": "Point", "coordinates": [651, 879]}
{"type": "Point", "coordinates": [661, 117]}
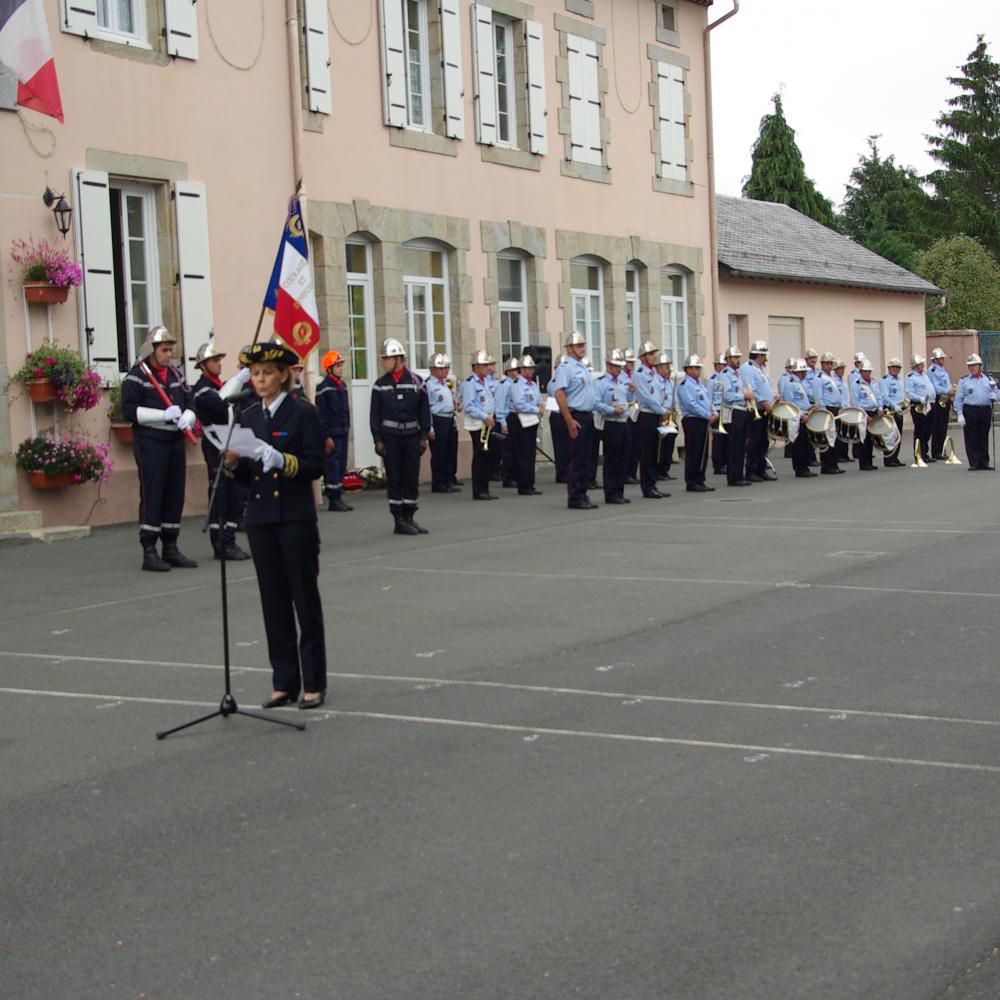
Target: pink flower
{"type": "Point", "coordinates": [39, 372]}
{"type": "Point", "coordinates": [50, 361]}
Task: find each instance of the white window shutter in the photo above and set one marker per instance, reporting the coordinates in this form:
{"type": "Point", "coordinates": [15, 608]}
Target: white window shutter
{"type": "Point", "coordinates": [393, 63]}
{"type": "Point", "coordinates": [79, 17]}
{"type": "Point", "coordinates": [537, 126]}
{"type": "Point", "coordinates": [485, 68]}
{"type": "Point", "coordinates": [592, 101]}
{"type": "Point", "coordinates": [454, 86]}
{"type": "Point", "coordinates": [577, 117]}
{"type": "Point", "coordinates": [96, 299]}
{"type": "Point", "coordinates": [317, 35]}
{"type": "Point", "coordinates": [584, 101]}
{"type": "Point", "coordinates": [182, 28]}
{"type": "Point", "coordinates": [194, 267]}
{"type": "Point", "coordinates": [673, 151]}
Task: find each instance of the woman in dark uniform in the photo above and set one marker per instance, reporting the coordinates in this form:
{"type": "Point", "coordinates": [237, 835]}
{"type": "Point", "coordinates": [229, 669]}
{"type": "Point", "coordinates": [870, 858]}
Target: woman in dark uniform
{"type": "Point", "coordinates": [281, 524]}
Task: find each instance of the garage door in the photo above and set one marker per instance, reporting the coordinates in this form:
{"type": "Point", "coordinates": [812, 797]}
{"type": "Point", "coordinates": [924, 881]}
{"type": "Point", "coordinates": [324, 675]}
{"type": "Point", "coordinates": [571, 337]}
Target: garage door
{"type": "Point", "coordinates": [868, 340]}
{"type": "Point", "coordinates": [784, 336]}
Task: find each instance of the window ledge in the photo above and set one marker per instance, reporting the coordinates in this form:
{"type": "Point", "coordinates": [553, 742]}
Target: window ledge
{"type": "Point", "coordinates": [312, 121]}
{"type": "Point", "coordinates": [585, 171]}
{"type": "Point", "coordinates": [507, 157]}
{"type": "Point", "coordinates": [140, 52]}
{"type": "Point", "coordinates": [666, 185]}
{"type": "Point", "coordinates": [668, 37]}
{"type": "Point", "coordinates": [426, 142]}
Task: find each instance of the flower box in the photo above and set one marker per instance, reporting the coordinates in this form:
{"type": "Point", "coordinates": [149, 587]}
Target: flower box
{"type": "Point", "coordinates": [122, 431]}
{"type": "Point", "coordinates": [42, 481]}
{"type": "Point", "coordinates": [43, 293]}
{"type": "Point", "coordinates": [42, 391]}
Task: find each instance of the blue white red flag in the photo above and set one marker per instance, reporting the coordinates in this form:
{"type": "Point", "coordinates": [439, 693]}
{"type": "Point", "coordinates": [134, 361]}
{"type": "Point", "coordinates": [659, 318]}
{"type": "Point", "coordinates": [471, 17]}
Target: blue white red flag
{"type": "Point", "coordinates": [26, 50]}
{"type": "Point", "coordinates": [291, 292]}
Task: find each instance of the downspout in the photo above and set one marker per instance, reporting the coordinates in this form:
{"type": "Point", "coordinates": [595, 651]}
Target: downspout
{"type": "Point", "coordinates": [295, 99]}
{"type": "Point", "coordinates": [710, 147]}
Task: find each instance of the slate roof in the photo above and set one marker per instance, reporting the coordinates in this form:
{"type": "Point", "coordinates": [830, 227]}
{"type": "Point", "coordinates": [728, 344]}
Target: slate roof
{"type": "Point", "coordinates": [762, 239]}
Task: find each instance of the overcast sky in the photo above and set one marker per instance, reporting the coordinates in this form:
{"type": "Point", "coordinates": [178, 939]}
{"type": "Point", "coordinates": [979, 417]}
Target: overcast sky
{"type": "Point", "coordinates": [847, 70]}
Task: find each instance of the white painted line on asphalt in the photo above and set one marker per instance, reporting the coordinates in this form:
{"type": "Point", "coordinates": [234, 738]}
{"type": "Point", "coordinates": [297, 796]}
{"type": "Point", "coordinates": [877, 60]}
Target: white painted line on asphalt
{"type": "Point", "coordinates": [630, 697]}
{"type": "Point", "coordinates": [650, 521]}
{"type": "Point", "coordinates": [545, 731]}
{"type": "Point", "coordinates": [972, 527]}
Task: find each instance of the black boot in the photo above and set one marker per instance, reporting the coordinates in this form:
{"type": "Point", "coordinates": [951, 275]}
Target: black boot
{"type": "Point", "coordinates": [215, 537]}
{"type": "Point", "coordinates": [175, 557]}
{"type": "Point", "coordinates": [410, 521]}
{"type": "Point", "coordinates": [233, 553]}
{"type": "Point", "coordinates": [150, 557]}
{"type": "Point", "coordinates": [404, 527]}
{"type": "Point", "coordinates": [336, 502]}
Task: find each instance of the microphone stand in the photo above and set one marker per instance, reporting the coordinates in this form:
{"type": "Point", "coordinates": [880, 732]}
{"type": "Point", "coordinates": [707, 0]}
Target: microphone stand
{"type": "Point", "coordinates": [228, 704]}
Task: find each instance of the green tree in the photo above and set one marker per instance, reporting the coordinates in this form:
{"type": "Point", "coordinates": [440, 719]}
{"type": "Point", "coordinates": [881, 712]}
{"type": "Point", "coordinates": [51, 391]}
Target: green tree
{"type": "Point", "coordinates": [886, 209]}
{"type": "Point", "coordinates": [778, 173]}
{"type": "Point", "coordinates": [968, 185]}
{"type": "Point", "coordinates": [970, 277]}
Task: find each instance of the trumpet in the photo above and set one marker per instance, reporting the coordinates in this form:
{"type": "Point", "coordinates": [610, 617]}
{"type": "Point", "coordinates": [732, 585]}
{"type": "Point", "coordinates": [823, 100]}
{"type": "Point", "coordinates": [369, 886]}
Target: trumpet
{"type": "Point", "coordinates": [752, 409]}
{"type": "Point", "coordinates": [484, 436]}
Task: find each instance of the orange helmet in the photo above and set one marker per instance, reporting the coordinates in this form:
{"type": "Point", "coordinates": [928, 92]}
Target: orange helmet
{"type": "Point", "coordinates": [330, 359]}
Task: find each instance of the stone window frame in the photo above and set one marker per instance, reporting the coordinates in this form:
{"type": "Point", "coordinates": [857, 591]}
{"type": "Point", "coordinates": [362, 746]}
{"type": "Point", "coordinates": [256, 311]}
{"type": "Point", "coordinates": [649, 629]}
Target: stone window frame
{"type": "Point", "coordinates": [667, 185]}
{"type": "Point", "coordinates": [666, 36]}
{"type": "Point", "coordinates": [386, 229]}
{"type": "Point", "coordinates": [641, 299]}
{"type": "Point", "coordinates": [152, 49]}
{"type": "Point", "coordinates": [531, 241]}
{"type": "Point", "coordinates": [621, 252]}
{"type": "Point", "coordinates": [583, 8]}
{"type": "Point", "coordinates": [569, 167]}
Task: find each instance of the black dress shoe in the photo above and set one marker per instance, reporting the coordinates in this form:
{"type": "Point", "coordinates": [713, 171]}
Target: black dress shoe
{"type": "Point", "coordinates": [337, 503]}
{"type": "Point", "coordinates": [454, 488]}
{"type": "Point", "coordinates": [804, 474]}
{"type": "Point", "coordinates": [509, 484]}
{"type": "Point", "coordinates": [631, 481]}
{"type": "Point", "coordinates": [652, 494]}
{"type": "Point", "coordinates": [756, 479]}
{"type": "Point", "coordinates": [697, 488]}
{"type": "Point", "coordinates": [529, 493]}
{"type": "Point", "coordinates": [740, 482]}
{"type": "Point", "coordinates": [867, 468]}
{"type": "Point", "coordinates": [770, 477]}
{"type": "Point", "coordinates": [233, 553]}
{"type": "Point", "coordinates": [313, 702]}
{"type": "Point", "coordinates": [483, 496]}
{"type": "Point", "coordinates": [279, 701]}
{"type": "Point", "coordinates": [986, 468]}
{"type": "Point", "coordinates": [581, 505]}
{"type": "Point", "coordinates": [615, 500]}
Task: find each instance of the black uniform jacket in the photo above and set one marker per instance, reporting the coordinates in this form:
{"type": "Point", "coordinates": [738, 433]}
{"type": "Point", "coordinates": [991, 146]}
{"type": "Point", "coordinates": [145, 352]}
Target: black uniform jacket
{"type": "Point", "coordinates": [283, 495]}
{"type": "Point", "coordinates": [138, 391]}
{"type": "Point", "coordinates": [400, 407]}
{"type": "Point", "coordinates": [334, 409]}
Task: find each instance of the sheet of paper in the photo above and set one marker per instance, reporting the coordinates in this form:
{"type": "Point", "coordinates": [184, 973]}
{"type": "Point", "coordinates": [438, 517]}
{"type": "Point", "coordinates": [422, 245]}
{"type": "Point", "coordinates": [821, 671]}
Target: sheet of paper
{"type": "Point", "coordinates": [243, 441]}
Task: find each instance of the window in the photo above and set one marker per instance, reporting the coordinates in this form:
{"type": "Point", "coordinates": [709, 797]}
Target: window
{"type": "Point", "coordinates": [632, 306]}
{"type": "Point", "coordinates": [671, 122]}
{"type": "Point", "coordinates": [136, 267]}
{"type": "Point", "coordinates": [417, 63]}
{"type": "Point", "coordinates": [173, 29]}
{"type": "Point", "coordinates": [503, 46]}
{"type": "Point", "coordinates": [425, 291]}
{"type": "Point", "coordinates": [359, 306]}
{"type": "Point", "coordinates": [587, 302]}
{"type": "Point", "coordinates": [673, 313]}
{"type": "Point", "coordinates": [121, 17]}
{"type": "Point", "coordinates": [667, 17]}
{"type": "Point", "coordinates": [584, 101]}
{"type": "Point", "coordinates": [667, 22]}
{"type": "Point", "coordinates": [513, 305]}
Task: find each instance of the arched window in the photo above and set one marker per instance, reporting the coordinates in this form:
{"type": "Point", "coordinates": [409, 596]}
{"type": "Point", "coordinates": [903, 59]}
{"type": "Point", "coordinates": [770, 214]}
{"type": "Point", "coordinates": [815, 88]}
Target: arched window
{"type": "Point", "coordinates": [586, 276]}
{"type": "Point", "coordinates": [512, 290]}
{"type": "Point", "coordinates": [633, 311]}
{"type": "Point", "coordinates": [426, 302]}
{"type": "Point", "coordinates": [360, 311]}
{"type": "Point", "coordinates": [673, 312]}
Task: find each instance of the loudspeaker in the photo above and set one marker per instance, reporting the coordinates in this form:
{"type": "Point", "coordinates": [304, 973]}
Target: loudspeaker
{"type": "Point", "coordinates": [542, 354]}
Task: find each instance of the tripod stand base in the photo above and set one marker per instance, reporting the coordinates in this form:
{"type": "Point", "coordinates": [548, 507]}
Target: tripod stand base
{"type": "Point", "coordinates": [226, 708]}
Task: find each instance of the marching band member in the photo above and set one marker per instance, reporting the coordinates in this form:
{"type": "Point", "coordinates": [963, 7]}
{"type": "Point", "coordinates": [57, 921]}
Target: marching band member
{"type": "Point", "coordinates": [811, 358]}
{"type": "Point", "coordinates": [652, 411]}
{"type": "Point", "coordinates": [444, 434]}
{"type": "Point", "coordinates": [717, 386]}
{"type": "Point", "coordinates": [501, 408]}
{"type": "Point", "coordinates": [400, 422]}
{"type": "Point", "coordinates": [632, 427]}
{"type": "Point", "coordinates": [865, 395]}
{"type": "Point", "coordinates": [525, 403]}
{"type": "Point", "coordinates": [735, 398]}
{"type": "Point", "coordinates": [698, 413]}
{"type": "Point", "coordinates": [667, 442]}
{"type": "Point", "coordinates": [940, 412]}
{"type": "Point", "coordinates": [855, 376]}
{"type": "Point", "coordinates": [281, 525]}
{"type": "Point", "coordinates": [785, 377]}
{"type": "Point", "coordinates": [211, 404]}
{"type": "Point", "coordinates": [795, 392]}
{"type": "Point", "coordinates": [557, 430]}
{"type": "Point", "coordinates": [843, 454]}
{"type": "Point", "coordinates": [575, 396]}
{"type": "Point", "coordinates": [159, 448]}
{"type": "Point", "coordinates": [920, 392]}
{"type": "Point", "coordinates": [495, 452]}
{"type": "Point", "coordinates": [477, 405]}
{"type": "Point", "coordinates": [974, 401]}
{"type": "Point", "coordinates": [335, 417]}
{"type": "Point", "coordinates": [753, 374]}
{"type": "Point", "coordinates": [893, 392]}
{"type": "Point", "coordinates": [612, 402]}
{"type": "Point", "coordinates": [828, 397]}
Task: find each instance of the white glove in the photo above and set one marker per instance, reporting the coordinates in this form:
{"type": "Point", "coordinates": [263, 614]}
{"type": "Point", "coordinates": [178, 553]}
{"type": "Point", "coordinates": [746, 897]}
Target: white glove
{"type": "Point", "coordinates": [186, 420]}
{"type": "Point", "coordinates": [172, 414]}
{"type": "Point", "coordinates": [235, 384]}
{"type": "Point", "coordinates": [270, 457]}
{"type": "Point", "coordinates": [961, 420]}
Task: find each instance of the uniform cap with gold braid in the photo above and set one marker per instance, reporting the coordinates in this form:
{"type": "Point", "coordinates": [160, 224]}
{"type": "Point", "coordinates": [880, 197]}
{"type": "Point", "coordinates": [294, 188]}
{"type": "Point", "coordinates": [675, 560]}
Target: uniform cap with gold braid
{"type": "Point", "coordinates": [270, 350]}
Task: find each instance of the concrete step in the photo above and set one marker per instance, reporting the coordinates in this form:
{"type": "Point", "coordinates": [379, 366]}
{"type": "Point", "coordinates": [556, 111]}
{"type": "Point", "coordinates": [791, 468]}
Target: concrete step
{"type": "Point", "coordinates": [20, 520]}
{"type": "Point", "coordinates": [57, 533]}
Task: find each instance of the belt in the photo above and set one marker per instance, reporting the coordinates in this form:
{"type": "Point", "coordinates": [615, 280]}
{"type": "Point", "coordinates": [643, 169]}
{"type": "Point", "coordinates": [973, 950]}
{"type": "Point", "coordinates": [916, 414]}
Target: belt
{"type": "Point", "coordinates": [615, 420]}
{"type": "Point", "coordinates": [733, 406]}
{"type": "Point", "coordinates": [588, 413]}
{"type": "Point", "coordinates": [445, 414]}
{"type": "Point", "coordinates": [652, 413]}
{"type": "Point", "coordinates": [401, 425]}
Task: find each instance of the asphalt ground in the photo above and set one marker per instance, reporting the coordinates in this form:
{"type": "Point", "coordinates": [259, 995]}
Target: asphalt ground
{"type": "Point", "coordinates": [736, 745]}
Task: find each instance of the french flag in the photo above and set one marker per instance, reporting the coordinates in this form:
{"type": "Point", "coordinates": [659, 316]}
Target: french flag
{"type": "Point", "coordinates": [26, 50]}
{"type": "Point", "coordinates": [291, 292]}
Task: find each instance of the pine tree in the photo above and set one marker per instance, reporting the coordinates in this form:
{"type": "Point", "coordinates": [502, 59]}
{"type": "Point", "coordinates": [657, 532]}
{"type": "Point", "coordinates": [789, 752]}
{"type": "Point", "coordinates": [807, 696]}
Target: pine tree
{"type": "Point", "coordinates": [968, 186]}
{"type": "Point", "coordinates": [778, 173]}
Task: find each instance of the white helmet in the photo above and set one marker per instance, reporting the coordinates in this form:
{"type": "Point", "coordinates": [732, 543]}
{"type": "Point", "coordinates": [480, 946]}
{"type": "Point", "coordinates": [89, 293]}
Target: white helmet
{"type": "Point", "coordinates": [810, 353]}
{"type": "Point", "coordinates": [866, 365]}
{"type": "Point", "coordinates": [629, 356]}
{"type": "Point", "coordinates": [917, 359]}
{"type": "Point", "coordinates": [721, 359]}
{"type": "Point", "coordinates": [938, 355]}
{"type": "Point", "coordinates": [838, 363]}
{"type": "Point", "coordinates": [158, 335]}
{"type": "Point", "coordinates": [894, 363]}
{"type": "Point", "coordinates": [482, 358]}
{"type": "Point", "coordinates": [646, 347]}
{"type": "Point", "coordinates": [827, 356]}
{"type": "Point", "coordinates": [799, 365]}
{"type": "Point", "coordinates": [512, 365]}
{"type": "Point", "coordinates": [392, 348]}
{"type": "Point", "coordinates": [790, 364]}
{"type": "Point", "coordinates": [732, 351]}
{"type": "Point", "coordinates": [575, 339]}
{"type": "Point", "coordinates": [617, 357]}
{"type": "Point", "coordinates": [693, 361]}
{"type": "Point", "coordinates": [859, 357]}
{"type": "Point", "coordinates": [439, 361]}
{"type": "Point", "coordinates": [974, 359]}
{"type": "Point", "coordinates": [527, 361]}
{"type": "Point", "coordinates": [663, 359]}
{"type": "Point", "coordinates": [759, 347]}
{"type": "Point", "coordinates": [206, 352]}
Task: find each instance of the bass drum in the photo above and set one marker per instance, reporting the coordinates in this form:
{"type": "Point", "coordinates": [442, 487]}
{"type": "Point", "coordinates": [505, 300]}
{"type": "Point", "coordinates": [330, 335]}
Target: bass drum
{"type": "Point", "coordinates": [819, 425]}
{"type": "Point", "coordinates": [850, 420]}
{"type": "Point", "coordinates": [884, 433]}
{"type": "Point", "coordinates": [783, 421]}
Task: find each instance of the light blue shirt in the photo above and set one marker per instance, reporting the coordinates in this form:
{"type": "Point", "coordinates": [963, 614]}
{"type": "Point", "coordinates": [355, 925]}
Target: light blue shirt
{"type": "Point", "coordinates": [919, 387]}
{"type": "Point", "coordinates": [975, 390]}
{"type": "Point", "coordinates": [501, 401]}
{"type": "Point", "coordinates": [940, 379]}
{"type": "Point", "coordinates": [574, 378]}
{"type": "Point", "coordinates": [827, 391]}
{"type": "Point", "coordinates": [694, 398]}
{"type": "Point", "coordinates": [440, 397]}
{"type": "Point", "coordinates": [612, 394]}
{"type": "Point", "coordinates": [649, 390]}
{"type": "Point", "coordinates": [755, 376]}
{"type": "Point", "coordinates": [809, 381]}
{"type": "Point", "coordinates": [795, 392]}
{"type": "Point", "coordinates": [525, 396]}
{"type": "Point", "coordinates": [667, 390]}
{"type": "Point", "coordinates": [866, 395]}
{"type": "Point", "coordinates": [477, 400]}
{"type": "Point", "coordinates": [845, 395]}
{"type": "Point", "coordinates": [853, 376]}
{"type": "Point", "coordinates": [893, 392]}
{"type": "Point", "coordinates": [733, 395]}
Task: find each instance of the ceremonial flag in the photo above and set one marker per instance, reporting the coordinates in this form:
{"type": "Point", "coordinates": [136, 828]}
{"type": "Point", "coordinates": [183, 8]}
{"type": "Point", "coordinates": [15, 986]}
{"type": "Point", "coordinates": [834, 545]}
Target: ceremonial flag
{"type": "Point", "coordinates": [26, 50]}
{"type": "Point", "coordinates": [290, 292]}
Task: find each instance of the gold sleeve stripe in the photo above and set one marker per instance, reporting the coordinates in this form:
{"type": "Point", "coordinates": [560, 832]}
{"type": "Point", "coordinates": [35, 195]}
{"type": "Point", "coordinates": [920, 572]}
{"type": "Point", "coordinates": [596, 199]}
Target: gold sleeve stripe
{"type": "Point", "coordinates": [291, 469]}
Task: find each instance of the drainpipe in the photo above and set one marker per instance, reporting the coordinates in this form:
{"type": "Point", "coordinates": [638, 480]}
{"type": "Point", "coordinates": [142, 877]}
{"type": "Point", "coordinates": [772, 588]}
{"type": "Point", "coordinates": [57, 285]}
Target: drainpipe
{"type": "Point", "coordinates": [710, 146]}
{"type": "Point", "coordinates": [295, 99]}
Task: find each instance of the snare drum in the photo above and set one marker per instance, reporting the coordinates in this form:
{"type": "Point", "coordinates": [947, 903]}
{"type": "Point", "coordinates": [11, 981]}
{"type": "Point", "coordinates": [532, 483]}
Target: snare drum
{"type": "Point", "coordinates": [818, 426]}
{"type": "Point", "coordinates": [850, 420]}
{"type": "Point", "coordinates": [782, 418]}
{"type": "Point", "coordinates": [884, 433]}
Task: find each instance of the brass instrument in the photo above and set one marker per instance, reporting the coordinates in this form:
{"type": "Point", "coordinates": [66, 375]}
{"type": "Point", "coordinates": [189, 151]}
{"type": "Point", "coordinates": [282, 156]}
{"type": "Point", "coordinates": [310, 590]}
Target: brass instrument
{"type": "Point", "coordinates": [484, 436]}
{"type": "Point", "coordinates": [950, 458]}
{"type": "Point", "coordinates": [752, 409]}
{"type": "Point", "coordinates": [920, 408]}
{"type": "Point", "coordinates": [918, 458]}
